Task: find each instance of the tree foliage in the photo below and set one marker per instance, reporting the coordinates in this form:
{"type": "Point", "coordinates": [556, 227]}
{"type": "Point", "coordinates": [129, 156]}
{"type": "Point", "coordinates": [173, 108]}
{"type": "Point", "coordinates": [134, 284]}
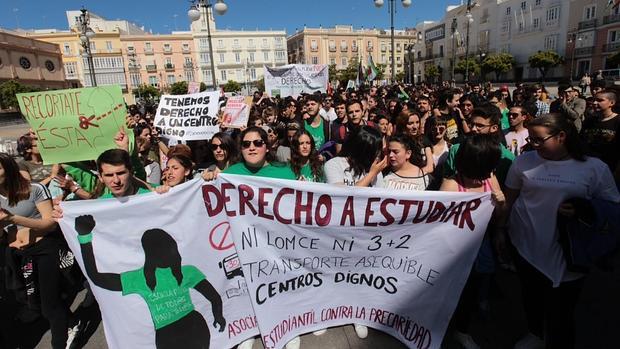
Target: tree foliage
{"type": "Point", "coordinates": [8, 91]}
{"type": "Point", "coordinates": [381, 71]}
{"type": "Point", "coordinates": [147, 92]}
{"type": "Point", "coordinates": [431, 72]}
{"type": "Point", "coordinates": [400, 76]}
{"type": "Point", "coordinates": [259, 84]}
{"type": "Point", "coordinates": [349, 73]}
{"type": "Point", "coordinates": [462, 67]}
{"type": "Point", "coordinates": [232, 86]}
{"type": "Point", "coordinates": [333, 72]}
{"type": "Point", "coordinates": [545, 60]}
{"type": "Point", "coordinates": [498, 63]}
{"type": "Point", "coordinates": [178, 88]}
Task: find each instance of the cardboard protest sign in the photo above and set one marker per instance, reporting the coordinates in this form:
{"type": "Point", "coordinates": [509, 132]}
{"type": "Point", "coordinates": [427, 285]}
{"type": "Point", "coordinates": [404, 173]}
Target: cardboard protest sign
{"type": "Point", "coordinates": [294, 79]}
{"type": "Point", "coordinates": [237, 112]}
{"type": "Point", "coordinates": [188, 117]}
{"type": "Point", "coordinates": [142, 273]}
{"type": "Point", "coordinates": [75, 124]}
{"type": "Point", "coordinates": [193, 87]}
{"type": "Point", "coordinates": [316, 256]}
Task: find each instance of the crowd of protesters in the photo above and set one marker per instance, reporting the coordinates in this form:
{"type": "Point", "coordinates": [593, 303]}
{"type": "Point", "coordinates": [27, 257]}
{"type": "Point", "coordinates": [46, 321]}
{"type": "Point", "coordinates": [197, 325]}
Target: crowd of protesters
{"type": "Point", "coordinates": [533, 152]}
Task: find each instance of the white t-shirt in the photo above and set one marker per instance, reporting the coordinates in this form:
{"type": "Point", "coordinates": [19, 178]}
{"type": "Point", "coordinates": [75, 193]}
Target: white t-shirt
{"type": "Point", "coordinates": [337, 171]}
{"type": "Point", "coordinates": [328, 115]}
{"type": "Point", "coordinates": [543, 186]}
{"type": "Point", "coordinates": [394, 181]}
{"type": "Point", "coordinates": [515, 141]}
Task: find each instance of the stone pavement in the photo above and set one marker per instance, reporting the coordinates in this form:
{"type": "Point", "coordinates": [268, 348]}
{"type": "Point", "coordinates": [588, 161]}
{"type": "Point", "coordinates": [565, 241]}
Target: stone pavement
{"type": "Point", "coordinates": [597, 314]}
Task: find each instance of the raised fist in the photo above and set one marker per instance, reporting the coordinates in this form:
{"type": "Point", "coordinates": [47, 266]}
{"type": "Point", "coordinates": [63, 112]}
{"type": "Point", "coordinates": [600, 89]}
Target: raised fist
{"type": "Point", "coordinates": [84, 224]}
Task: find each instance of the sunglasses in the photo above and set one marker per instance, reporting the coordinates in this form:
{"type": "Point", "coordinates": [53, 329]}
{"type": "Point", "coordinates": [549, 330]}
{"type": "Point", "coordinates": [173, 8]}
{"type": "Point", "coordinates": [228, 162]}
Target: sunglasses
{"type": "Point", "coordinates": [214, 147]}
{"type": "Point", "coordinates": [514, 115]}
{"type": "Point", "coordinates": [539, 141]}
{"type": "Point", "coordinates": [258, 143]}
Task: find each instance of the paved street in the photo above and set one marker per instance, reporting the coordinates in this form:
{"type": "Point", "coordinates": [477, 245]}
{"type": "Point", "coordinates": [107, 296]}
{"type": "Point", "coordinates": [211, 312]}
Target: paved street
{"type": "Point", "coordinates": [598, 320]}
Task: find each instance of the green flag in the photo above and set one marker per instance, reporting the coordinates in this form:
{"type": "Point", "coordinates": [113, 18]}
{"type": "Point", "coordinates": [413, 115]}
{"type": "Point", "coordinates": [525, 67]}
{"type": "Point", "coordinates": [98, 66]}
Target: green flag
{"type": "Point", "coordinates": [371, 69]}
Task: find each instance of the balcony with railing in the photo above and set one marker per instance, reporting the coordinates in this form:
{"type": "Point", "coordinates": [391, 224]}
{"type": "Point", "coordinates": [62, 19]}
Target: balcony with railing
{"type": "Point", "coordinates": [369, 48]}
{"type": "Point", "coordinates": [611, 46]}
{"type": "Point", "coordinates": [332, 48]}
{"type": "Point", "coordinates": [185, 49]}
{"type": "Point", "coordinates": [167, 50]}
{"type": "Point", "coordinates": [133, 66]}
{"type": "Point", "coordinates": [169, 67]}
{"type": "Point", "coordinates": [151, 67]}
{"type": "Point", "coordinates": [344, 48]}
{"type": "Point", "coordinates": [611, 19]}
{"type": "Point", "coordinates": [354, 48]}
{"type": "Point", "coordinates": [590, 23]}
{"type": "Point", "coordinates": [584, 51]}
{"type": "Point", "coordinates": [188, 65]}
{"type": "Point", "coordinates": [148, 51]}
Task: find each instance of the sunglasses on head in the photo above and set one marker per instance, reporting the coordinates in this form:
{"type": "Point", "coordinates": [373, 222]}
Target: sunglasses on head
{"type": "Point", "coordinates": [257, 143]}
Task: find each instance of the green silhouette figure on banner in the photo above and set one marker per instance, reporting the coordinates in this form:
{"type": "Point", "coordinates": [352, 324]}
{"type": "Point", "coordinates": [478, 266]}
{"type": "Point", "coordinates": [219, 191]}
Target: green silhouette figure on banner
{"type": "Point", "coordinates": [164, 285]}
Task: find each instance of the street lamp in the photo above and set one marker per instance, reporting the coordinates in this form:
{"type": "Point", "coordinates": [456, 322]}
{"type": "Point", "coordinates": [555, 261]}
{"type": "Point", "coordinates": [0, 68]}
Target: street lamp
{"type": "Point", "coordinates": [572, 40]}
{"type": "Point", "coordinates": [86, 33]}
{"type": "Point", "coordinates": [194, 14]}
{"type": "Point", "coordinates": [470, 19]}
{"type": "Point", "coordinates": [454, 35]}
{"type": "Point", "coordinates": [481, 55]}
{"type": "Point", "coordinates": [410, 59]}
{"type": "Point", "coordinates": [392, 8]}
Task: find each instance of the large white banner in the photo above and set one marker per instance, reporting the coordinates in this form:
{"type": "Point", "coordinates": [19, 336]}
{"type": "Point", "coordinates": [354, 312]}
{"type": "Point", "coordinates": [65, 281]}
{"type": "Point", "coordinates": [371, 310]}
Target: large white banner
{"type": "Point", "coordinates": [294, 79]}
{"type": "Point", "coordinates": [188, 117]}
{"type": "Point", "coordinates": [213, 262]}
{"type": "Point", "coordinates": [316, 256]}
{"type": "Point", "coordinates": [165, 272]}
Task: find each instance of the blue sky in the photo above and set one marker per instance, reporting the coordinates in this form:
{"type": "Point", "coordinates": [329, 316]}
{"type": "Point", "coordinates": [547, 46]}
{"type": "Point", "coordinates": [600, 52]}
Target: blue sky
{"type": "Point", "coordinates": [242, 14]}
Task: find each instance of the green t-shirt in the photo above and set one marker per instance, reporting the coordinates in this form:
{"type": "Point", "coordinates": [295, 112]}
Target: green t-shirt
{"type": "Point", "coordinates": [108, 195]}
{"type": "Point", "coordinates": [282, 171]}
{"type": "Point", "coordinates": [306, 175]}
{"type": "Point", "coordinates": [505, 122]}
{"type": "Point", "coordinates": [317, 134]}
{"type": "Point", "coordinates": [506, 159]}
{"type": "Point", "coordinates": [169, 301]}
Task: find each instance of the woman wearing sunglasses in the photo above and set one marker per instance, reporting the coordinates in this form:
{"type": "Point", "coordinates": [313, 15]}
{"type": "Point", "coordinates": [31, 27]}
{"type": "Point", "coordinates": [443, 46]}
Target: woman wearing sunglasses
{"type": "Point", "coordinates": [538, 185]}
{"type": "Point", "coordinates": [257, 159]}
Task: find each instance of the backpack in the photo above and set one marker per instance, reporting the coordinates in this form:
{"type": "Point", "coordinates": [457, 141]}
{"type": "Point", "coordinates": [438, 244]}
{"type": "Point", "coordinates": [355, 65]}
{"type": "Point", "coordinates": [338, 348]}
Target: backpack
{"type": "Point", "coordinates": [591, 236]}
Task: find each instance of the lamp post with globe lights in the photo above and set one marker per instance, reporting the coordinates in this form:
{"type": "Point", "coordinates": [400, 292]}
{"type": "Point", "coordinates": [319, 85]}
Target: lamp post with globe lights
{"type": "Point", "coordinates": [87, 33]}
{"type": "Point", "coordinates": [194, 13]}
{"type": "Point", "coordinates": [392, 9]}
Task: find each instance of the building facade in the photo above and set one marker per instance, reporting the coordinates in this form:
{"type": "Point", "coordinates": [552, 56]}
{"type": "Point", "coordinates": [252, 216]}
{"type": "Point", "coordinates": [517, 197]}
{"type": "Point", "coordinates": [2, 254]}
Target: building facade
{"type": "Point", "coordinates": [238, 55]}
{"type": "Point", "coordinates": [342, 44]}
{"type": "Point", "coordinates": [31, 62]}
{"type": "Point", "coordinates": [594, 35]}
{"type": "Point", "coordinates": [518, 27]}
{"type": "Point", "coordinates": [158, 60]}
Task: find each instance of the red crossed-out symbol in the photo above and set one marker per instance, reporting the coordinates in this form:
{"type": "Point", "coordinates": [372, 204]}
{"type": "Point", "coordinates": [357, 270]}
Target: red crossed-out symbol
{"type": "Point", "coordinates": [220, 237]}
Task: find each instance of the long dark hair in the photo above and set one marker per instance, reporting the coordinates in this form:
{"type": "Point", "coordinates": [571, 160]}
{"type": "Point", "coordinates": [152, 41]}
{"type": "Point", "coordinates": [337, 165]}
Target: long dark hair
{"type": "Point", "coordinates": [556, 123]}
{"type": "Point", "coordinates": [229, 144]}
{"type": "Point", "coordinates": [17, 187]}
{"type": "Point", "coordinates": [409, 145]}
{"type": "Point", "coordinates": [160, 251]}
{"type": "Point", "coordinates": [477, 157]}
{"type": "Point", "coordinates": [361, 148]}
{"type": "Point", "coordinates": [296, 159]}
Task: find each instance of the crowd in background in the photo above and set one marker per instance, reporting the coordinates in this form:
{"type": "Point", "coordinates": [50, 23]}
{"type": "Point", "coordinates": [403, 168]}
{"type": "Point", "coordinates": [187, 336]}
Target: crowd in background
{"type": "Point", "coordinates": [540, 157]}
